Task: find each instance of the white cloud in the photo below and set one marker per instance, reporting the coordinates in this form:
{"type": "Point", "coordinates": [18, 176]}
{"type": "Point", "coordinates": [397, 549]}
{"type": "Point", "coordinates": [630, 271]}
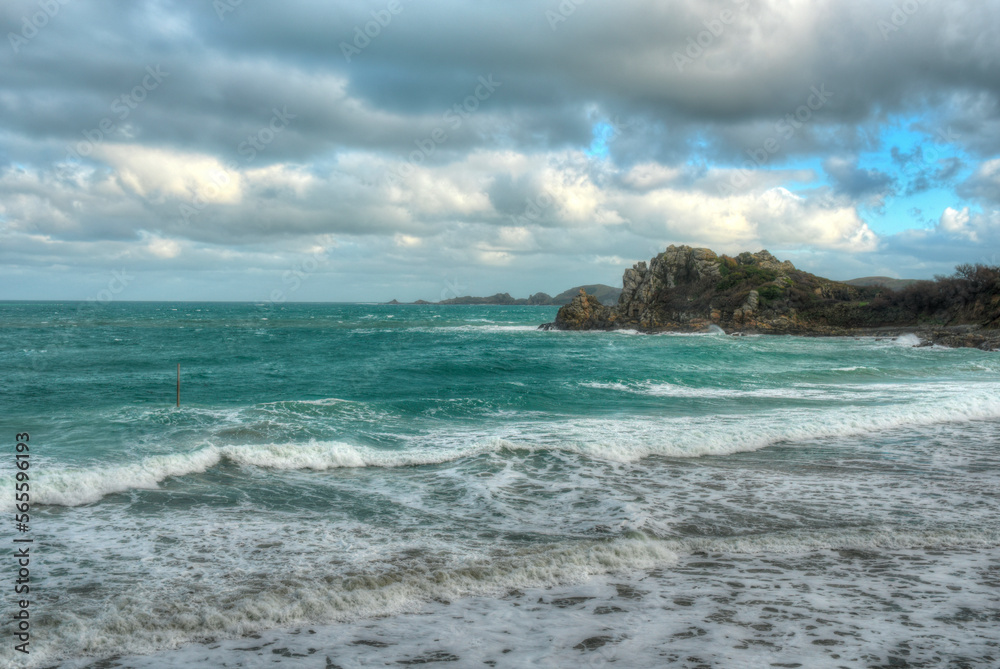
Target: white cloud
{"type": "Point", "coordinates": [957, 223]}
{"type": "Point", "coordinates": [163, 248]}
{"type": "Point", "coordinates": [980, 227]}
{"type": "Point", "coordinates": [407, 241]}
{"type": "Point", "coordinates": [650, 175]}
{"type": "Point", "coordinates": [155, 174]}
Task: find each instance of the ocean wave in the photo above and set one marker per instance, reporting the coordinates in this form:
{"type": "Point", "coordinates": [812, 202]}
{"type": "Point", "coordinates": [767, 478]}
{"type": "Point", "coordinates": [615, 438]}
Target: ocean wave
{"type": "Point", "coordinates": [612, 439]}
{"type": "Point", "coordinates": [469, 327]}
{"type": "Point", "coordinates": [664, 389]}
{"type": "Point", "coordinates": [75, 487]}
{"type": "Point", "coordinates": [216, 420]}
{"type": "Point", "coordinates": [734, 433]}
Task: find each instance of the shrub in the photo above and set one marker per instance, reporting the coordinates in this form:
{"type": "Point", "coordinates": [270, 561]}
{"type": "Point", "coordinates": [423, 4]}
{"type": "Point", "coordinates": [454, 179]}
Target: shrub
{"type": "Point", "coordinates": [771, 292]}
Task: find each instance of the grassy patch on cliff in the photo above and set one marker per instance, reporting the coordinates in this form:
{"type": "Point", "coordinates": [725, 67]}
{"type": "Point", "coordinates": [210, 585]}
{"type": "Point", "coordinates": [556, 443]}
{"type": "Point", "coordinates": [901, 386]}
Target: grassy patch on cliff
{"type": "Point", "coordinates": [735, 275]}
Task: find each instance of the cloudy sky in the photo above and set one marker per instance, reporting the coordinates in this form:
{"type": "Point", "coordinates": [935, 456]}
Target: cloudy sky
{"type": "Point", "coordinates": [366, 150]}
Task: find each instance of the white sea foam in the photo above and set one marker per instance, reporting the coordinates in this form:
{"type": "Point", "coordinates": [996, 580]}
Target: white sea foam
{"type": "Point", "coordinates": [486, 327]}
{"type": "Point", "coordinates": [149, 619]}
{"type": "Point", "coordinates": [804, 542]}
{"type": "Point", "coordinates": [800, 613]}
{"type": "Point", "coordinates": [144, 621]}
{"type": "Point", "coordinates": [664, 389]}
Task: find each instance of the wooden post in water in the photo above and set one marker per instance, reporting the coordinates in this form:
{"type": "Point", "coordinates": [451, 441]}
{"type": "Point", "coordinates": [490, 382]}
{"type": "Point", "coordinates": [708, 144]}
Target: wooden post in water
{"type": "Point", "coordinates": [178, 385]}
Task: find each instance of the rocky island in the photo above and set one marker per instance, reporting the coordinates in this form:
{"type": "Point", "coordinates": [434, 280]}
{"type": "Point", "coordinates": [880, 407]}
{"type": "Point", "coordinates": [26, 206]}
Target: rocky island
{"type": "Point", "coordinates": [687, 289]}
{"type": "Point", "coordinates": [604, 294]}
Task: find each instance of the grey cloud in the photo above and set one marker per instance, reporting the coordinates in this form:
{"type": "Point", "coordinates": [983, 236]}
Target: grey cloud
{"type": "Point", "coordinates": [983, 184]}
{"type": "Point", "coordinates": [921, 173]}
{"type": "Point", "coordinates": [855, 182]}
{"type": "Point", "coordinates": [621, 56]}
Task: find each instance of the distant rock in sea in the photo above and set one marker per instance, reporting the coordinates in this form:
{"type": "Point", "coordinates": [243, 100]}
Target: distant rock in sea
{"type": "Point", "coordinates": [688, 289]}
{"type": "Point", "coordinates": [499, 298]}
{"type": "Point", "coordinates": [605, 294]}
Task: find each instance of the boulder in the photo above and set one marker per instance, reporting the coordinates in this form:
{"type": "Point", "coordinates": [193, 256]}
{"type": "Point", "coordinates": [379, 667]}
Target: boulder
{"type": "Point", "coordinates": [584, 312]}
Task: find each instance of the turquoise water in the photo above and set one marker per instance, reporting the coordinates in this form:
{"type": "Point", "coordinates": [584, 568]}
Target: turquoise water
{"type": "Point", "coordinates": [351, 481]}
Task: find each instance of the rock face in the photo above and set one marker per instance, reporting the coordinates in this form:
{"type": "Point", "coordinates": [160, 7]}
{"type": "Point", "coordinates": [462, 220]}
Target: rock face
{"type": "Point", "coordinates": [691, 289]}
{"type": "Point", "coordinates": [747, 310]}
{"type": "Point", "coordinates": [584, 312]}
{"type": "Point", "coordinates": [678, 265]}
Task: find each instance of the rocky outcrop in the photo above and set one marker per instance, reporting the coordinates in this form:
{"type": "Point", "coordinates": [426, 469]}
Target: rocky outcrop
{"type": "Point", "coordinates": [584, 312]}
{"type": "Point", "coordinates": [675, 266]}
{"type": "Point", "coordinates": [669, 292]}
{"type": "Point", "coordinates": [962, 337]}
{"type": "Point", "coordinates": [692, 289]}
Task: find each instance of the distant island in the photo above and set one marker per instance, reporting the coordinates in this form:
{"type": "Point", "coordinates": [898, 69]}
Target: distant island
{"type": "Point", "coordinates": [600, 292]}
{"type": "Point", "coordinates": [687, 289]}
{"type": "Point", "coordinates": [881, 281]}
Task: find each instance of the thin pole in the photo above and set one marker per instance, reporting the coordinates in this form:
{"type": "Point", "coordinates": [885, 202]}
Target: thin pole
{"type": "Point", "coordinates": [178, 385]}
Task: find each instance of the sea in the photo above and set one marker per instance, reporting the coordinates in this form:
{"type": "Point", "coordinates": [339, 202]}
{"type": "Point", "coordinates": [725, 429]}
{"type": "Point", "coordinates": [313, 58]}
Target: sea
{"type": "Point", "coordinates": [358, 485]}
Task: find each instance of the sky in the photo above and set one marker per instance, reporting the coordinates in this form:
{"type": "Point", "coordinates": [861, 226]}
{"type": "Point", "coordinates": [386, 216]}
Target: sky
{"type": "Point", "coordinates": [424, 149]}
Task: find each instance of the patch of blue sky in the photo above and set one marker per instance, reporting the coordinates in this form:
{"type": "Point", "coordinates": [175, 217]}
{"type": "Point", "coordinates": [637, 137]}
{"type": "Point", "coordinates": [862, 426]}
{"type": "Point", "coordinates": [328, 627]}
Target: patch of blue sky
{"type": "Point", "coordinates": [602, 132]}
{"type": "Point", "coordinates": [914, 153]}
{"type": "Point", "coordinates": [917, 199]}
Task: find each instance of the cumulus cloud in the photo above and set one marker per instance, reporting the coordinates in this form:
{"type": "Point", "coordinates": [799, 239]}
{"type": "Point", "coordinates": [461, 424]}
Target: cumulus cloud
{"type": "Point", "coordinates": [489, 134]}
{"type": "Point", "coordinates": [972, 226]}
